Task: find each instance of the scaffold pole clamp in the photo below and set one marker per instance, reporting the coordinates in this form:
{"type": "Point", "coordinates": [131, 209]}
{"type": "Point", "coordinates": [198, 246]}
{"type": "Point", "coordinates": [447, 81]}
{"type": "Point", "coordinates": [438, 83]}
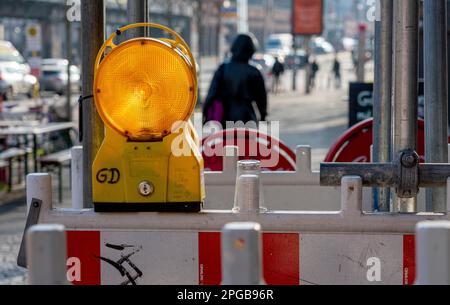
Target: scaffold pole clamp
{"type": "Point", "coordinates": [405, 174]}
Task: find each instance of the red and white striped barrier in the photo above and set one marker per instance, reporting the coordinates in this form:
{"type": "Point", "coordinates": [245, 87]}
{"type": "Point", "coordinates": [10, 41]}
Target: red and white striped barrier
{"type": "Point", "coordinates": [335, 247]}
{"type": "Point", "coordinates": [192, 258]}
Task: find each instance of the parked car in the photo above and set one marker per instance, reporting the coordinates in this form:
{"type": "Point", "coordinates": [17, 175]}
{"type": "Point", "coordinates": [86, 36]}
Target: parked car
{"type": "Point", "coordinates": [279, 45]}
{"type": "Point", "coordinates": [298, 60]}
{"type": "Point", "coordinates": [15, 77]}
{"type": "Point", "coordinates": [320, 46]}
{"type": "Point", "coordinates": [264, 62]}
{"type": "Point", "coordinates": [13, 81]}
{"type": "Point", "coordinates": [54, 76]}
{"type": "Point", "coordinates": [8, 53]}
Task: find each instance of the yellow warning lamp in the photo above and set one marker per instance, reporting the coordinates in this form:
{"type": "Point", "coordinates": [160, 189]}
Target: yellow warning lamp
{"type": "Point", "coordinates": [145, 91]}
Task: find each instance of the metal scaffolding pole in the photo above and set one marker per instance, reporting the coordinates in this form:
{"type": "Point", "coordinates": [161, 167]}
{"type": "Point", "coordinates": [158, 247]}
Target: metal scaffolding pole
{"type": "Point", "coordinates": [294, 69]}
{"type": "Point", "coordinates": [242, 7]}
{"type": "Point", "coordinates": [69, 76]}
{"type": "Point", "coordinates": [436, 94]}
{"type": "Point", "coordinates": [199, 28]}
{"type": "Point", "coordinates": [219, 5]}
{"type": "Point", "coordinates": [93, 36]}
{"type": "Point", "coordinates": [406, 83]}
{"type": "Point", "coordinates": [308, 71]}
{"type": "Point", "coordinates": [360, 69]}
{"type": "Point", "coordinates": [137, 11]}
{"type": "Point", "coordinates": [382, 142]}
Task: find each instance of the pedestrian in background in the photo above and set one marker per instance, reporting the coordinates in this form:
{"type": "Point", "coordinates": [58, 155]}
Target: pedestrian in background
{"type": "Point", "coordinates": [314, 69]}
{"type": "Point", "coordinates": [277, 71]}
{"type": "Point", "coordinates": [236, 87]}
{"type": "Point", "coordinates": [337, 72]}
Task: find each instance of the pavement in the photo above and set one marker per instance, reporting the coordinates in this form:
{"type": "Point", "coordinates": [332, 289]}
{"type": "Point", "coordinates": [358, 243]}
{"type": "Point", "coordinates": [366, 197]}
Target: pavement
{"type": "Point", "coordinates": [316, 119]}
{"type": "Point", "coordinates": [12, 223]}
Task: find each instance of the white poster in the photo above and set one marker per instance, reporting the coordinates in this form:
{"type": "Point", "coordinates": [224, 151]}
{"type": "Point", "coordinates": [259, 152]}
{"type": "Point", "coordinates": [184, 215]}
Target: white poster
{"type": "Point", "coordinates": [34, 38]}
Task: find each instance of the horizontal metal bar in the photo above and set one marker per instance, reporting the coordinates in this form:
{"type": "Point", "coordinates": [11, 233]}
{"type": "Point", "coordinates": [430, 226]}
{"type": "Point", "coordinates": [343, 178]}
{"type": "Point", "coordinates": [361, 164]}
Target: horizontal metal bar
{"type": "Point", "coordinates": [382, 174]}
{"type": "Point", "coordinates": [319, 222]}
{"type": "Point", "coordinates": [431, 175]}
{"type": "Point", "coordinates": [379, 174]}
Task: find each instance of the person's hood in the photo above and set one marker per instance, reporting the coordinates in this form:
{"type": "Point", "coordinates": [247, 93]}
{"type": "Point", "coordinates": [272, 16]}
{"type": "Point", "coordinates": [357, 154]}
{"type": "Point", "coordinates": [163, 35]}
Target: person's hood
{"type": "Point", "coordinates": [243, 48]}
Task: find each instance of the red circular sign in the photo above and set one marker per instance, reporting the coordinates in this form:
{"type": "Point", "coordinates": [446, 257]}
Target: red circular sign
{"type": "Point", "coordinates": [253, 145]}
{"type": "Point", "coordinates": [354, 145]}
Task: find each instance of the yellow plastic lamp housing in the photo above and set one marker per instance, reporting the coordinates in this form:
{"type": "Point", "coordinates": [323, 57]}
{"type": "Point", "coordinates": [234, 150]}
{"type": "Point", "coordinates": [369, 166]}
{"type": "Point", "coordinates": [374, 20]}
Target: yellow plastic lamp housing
{"type": "Point", "coordinates": [144, 86]}
{"type": "Point", "coordinates": [147, 162]}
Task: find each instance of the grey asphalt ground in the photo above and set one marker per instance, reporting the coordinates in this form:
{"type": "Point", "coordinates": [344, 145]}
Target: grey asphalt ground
{"type": "Point", "coordinates": [12, 223]}
{"type": "Point", "coordinates": [317, 119]}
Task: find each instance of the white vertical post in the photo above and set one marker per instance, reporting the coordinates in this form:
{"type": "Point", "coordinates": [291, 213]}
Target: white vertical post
{"type": "Point", "coordinates": [242, 10]}
{"type": "Point", "coordinates": [46, 255]}
{"type": "Point", "coordinates": [241, 254]}
{"type": "Point", "coordinates": [304, 158]}
{"type": "Point", "coordinates": [433, 253]}
{"type": "Point", "coordinates": [351, 195]}
{"type": "Point", "coordinates": [77, 177]}
{"type": "Point", "coordinates": [247, 194]}
{"type": "Point", "coordinates": [230, 159]}
{"type": "Point", "coordinates": [39, 186]}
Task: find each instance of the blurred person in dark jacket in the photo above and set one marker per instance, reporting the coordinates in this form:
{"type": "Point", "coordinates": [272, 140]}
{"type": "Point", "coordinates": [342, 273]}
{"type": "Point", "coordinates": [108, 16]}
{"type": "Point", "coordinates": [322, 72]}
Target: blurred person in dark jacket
{"type": "Point", "coordinates": [277, 71]}
{"type": "Point", "coordinates": [236, 86]}
{"type": "Point", "coordinates": [337, 72]}
{"type": "Point", "coordinates": [314, 68]}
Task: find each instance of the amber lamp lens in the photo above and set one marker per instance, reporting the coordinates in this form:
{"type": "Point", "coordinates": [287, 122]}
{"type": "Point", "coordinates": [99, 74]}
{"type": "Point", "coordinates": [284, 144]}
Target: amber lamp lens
{"type": "Point", "coordinates": [143, 87]}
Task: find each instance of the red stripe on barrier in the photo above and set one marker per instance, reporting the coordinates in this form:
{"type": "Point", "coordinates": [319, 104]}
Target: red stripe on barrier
{"type": "Point", "coordinates": [409, 259]}
{"type": "Point", "coordinates": [85, 246]}
{"type": "Point", "coordinates": [281, 259]}
{"type": "Point", "coordinates": [209, 258]}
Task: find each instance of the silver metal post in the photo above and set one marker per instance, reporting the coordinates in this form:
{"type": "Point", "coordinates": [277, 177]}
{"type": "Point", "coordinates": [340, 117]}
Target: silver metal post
{"type": "Point", "coordinates": [436, 93]}
{"type": "Point", "coordinates": [406, 81]}
{"type": "Point", "coordinates": [360, 71]}
{"type": "Point", "coordinates": [306, 42]}
{"type": "Point", "coordinates": [294, 69]}
{"type": "Point", "coordinates": [198, 11]}
{"type": "Point", "coordinates": [93, 35]}
{"type": "Point", "coordinates": [46, 255]}
{"type": "Point", "coordinates": [248, 197]}
{"type": "Point", "coordinates": [242, 7]}
{"type": "Point", "coordinates": [351, 195]}
{"type": "Point", "coordinates": [137, 11]}
{"type": "Point", "coordinates": [448, 194]}
{"type": "Point", "coordinates": [241, 254]}
{"type": "Point", "coordinates": [77, 177]}
{"type": "Point", "coordinates": [382, 142]}
{"type": "Point", "coordinates": [247, 194]}
{"type": "Point", "coordinates": [69, 76]}
{"type": "Point", "coordinates": [433, 252]}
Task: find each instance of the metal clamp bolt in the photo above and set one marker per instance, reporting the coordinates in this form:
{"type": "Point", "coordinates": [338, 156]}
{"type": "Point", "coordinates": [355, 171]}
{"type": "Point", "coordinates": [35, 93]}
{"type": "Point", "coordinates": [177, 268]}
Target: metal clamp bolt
{"type": "Point", "coordinates": [408, 174]}
{"type": "Point", "coordinates": [146, 188]}
{"type": "Point", "coordinates": [409, 160]}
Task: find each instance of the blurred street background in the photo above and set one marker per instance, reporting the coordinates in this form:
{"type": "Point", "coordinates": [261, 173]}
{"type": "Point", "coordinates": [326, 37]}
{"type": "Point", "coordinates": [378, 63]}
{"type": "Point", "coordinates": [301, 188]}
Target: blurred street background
{"type": "Point", "coordinates": [40, 82]}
